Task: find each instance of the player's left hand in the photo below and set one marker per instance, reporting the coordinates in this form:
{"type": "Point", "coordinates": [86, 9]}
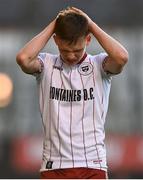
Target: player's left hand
{"type": "Point", "coordinates": [83, 14]}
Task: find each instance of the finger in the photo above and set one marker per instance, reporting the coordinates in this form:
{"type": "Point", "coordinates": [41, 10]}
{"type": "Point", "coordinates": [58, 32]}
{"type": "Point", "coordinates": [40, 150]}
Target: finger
{"type": "Point", "coordinates": [76, 9]}
{"type": "Point", "coordinates": [69, 7]}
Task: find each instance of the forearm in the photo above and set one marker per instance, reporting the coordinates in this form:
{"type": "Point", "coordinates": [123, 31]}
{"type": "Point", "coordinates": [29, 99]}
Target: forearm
{"type": "Point", "coordinates": [113, 48]}
{"type": "Point", "coordinates": [33, 47]}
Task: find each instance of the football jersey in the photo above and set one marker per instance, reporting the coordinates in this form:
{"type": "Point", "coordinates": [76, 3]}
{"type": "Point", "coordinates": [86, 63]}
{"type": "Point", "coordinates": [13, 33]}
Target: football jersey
{"type": "Point", "coordinates": [73, 104]}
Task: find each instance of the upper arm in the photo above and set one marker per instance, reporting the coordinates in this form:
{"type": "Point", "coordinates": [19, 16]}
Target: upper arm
{"type": "Point", "coordinates": [112, 66]}
{"type": "Point", "coordinates": [29, 66]}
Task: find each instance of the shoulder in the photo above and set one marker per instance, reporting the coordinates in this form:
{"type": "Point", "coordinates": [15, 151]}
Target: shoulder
{"type": "Point", "coordinates": [99, 58]}
{"type": "Point", "coordinates": [98, 61]}
{"type": "Point", "coordinates": [43, 56]}
{"type": "Point", "coordinates": [46, 61]}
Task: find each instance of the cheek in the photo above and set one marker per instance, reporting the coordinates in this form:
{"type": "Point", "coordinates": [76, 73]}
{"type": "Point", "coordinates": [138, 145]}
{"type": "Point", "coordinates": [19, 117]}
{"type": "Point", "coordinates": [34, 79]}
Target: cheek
{"type": "Point", "coordinates": [79, 55]}
{"type": "Point", "coordinates": [63, 54]}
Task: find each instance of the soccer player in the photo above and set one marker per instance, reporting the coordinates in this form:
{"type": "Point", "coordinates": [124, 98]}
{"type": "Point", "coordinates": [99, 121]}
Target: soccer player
{"type": "Point", "coordinates": [74, 89]}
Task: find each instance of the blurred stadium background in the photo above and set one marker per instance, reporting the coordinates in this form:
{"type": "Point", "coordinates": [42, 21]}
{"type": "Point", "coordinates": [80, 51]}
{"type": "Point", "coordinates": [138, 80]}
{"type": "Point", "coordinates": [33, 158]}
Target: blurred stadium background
{"type": "Point", "coordinates": [20, 123]}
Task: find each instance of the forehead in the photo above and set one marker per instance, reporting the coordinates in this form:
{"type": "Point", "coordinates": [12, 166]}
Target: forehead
{"type": "Point", "coordinates": [79, 44]}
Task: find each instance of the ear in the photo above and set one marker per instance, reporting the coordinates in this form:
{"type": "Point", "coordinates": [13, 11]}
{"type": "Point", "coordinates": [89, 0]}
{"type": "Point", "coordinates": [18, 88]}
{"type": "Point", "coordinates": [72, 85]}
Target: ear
{"type": "Point", "coordinates": [56, 39]}
{"type": "Point", "coordinates": [88, 39]}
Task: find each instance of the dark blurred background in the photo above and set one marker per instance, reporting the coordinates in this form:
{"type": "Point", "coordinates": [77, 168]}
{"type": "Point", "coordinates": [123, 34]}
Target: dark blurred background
{"type": "Point", "coordinates": [20, 123]}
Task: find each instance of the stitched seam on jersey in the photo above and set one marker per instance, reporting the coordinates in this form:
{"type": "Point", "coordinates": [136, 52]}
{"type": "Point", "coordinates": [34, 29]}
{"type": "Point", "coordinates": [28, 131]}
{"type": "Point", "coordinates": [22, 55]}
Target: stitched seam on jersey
{"type": "Point", "coordinates": [70, 119]}
{"type": "Point", "coordinates": [102, 101]}
{"type": "Point", "coordinates": [50, 113]}
{"type": "Point", "coordinates": [83, 125]}
{"type": "Point", "coordinates": [59, 121]}
{"type": "Point", "coordinates": [71, 124]}
{"type": "Point", "coordinates": [94, 122]}
{"type": "Point", "coordinates": [41, 112]}
{"type": "Point", "coordinates": [42, 103]}
{"type": "Point", "coordinates": [44, 92]}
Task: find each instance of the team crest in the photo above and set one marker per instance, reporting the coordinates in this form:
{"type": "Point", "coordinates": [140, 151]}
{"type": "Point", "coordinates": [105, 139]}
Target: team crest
{"type": "Point", "coordinates": [85, 68]}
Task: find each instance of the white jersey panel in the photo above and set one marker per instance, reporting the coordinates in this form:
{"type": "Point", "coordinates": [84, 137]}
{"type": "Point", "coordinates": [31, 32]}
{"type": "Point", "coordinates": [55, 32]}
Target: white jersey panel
{"type": "Point", "coordinates": [73, 104]}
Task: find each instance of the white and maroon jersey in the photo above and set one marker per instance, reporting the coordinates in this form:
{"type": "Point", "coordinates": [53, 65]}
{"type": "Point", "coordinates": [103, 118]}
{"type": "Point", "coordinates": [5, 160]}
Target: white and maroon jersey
{"type": "Point", "coordinates": [73, 105]}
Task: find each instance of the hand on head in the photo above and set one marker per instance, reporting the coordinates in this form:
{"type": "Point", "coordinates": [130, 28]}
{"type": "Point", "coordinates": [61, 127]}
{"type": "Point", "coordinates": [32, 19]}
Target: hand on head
{"type": "Point", "coordinates": [74, 10]}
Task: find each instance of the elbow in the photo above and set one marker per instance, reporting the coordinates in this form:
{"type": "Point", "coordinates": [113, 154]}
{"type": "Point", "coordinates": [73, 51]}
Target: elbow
{"type": "Point", "coordinates": [20, 59]}
{"type": "Point", "coordinates": [121, 61]}
{"type": "Point", "coordinates": [123, 58]}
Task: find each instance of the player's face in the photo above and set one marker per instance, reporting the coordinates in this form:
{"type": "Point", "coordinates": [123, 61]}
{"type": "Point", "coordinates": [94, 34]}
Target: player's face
{"type": "Point", "coordinates": [71, 54]}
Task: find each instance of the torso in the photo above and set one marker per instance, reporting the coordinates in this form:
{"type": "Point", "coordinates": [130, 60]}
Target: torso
{"type": "Point", "coordinates": [73, 104]}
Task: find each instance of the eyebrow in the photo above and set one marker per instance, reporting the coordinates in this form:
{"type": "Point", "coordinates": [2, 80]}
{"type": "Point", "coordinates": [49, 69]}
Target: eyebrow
{"type": "Point", "coordinates": [71, 50]}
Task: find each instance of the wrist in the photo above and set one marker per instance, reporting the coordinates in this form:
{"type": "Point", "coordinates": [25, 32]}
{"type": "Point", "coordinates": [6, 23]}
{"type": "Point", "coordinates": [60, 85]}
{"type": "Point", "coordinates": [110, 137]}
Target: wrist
{"type": "Point", "coordinates": [91, 24]}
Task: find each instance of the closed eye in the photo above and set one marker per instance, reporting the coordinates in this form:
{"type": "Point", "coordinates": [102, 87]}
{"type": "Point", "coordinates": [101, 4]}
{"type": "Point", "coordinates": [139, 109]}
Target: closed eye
{"type": "Point", "coordinates": [75, 51]}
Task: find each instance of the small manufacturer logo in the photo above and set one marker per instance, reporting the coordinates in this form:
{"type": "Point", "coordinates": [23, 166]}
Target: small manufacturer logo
{"type": "Point", "coordinates": [49, 165]}
{"type": "Point", "coordinates": [85, 68]}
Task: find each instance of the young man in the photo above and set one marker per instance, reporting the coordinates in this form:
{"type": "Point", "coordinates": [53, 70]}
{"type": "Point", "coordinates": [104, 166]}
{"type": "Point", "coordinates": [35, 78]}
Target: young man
{"type": "Point", "coordinates": [73, 92]}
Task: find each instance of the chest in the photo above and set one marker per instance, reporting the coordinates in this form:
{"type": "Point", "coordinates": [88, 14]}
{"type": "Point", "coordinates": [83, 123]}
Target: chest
{"type": "Point", "coordinates": [83, 76]}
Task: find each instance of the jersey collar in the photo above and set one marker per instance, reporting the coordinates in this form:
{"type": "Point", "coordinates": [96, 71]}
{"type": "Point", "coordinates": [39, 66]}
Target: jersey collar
{"type": "Point", "coordinates": [83, 58]}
